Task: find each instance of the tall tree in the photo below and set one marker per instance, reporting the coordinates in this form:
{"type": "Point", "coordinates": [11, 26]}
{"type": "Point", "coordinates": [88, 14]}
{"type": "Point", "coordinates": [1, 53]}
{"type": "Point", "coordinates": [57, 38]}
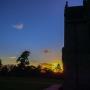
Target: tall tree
{"type": "Point", "coordinates": [23, 59]}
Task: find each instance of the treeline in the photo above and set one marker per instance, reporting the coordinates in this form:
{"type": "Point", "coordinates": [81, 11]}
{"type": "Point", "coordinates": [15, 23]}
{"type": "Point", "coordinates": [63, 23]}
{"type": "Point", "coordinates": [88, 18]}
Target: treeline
{"type": "Point", "coordinates": [28, 71]}
{"type": "Point", "coordinates": [23, 69]}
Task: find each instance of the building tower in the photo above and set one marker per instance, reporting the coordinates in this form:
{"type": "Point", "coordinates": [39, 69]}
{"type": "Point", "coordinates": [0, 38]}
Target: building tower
{"type": "Point", "coordinates": [76, 50]}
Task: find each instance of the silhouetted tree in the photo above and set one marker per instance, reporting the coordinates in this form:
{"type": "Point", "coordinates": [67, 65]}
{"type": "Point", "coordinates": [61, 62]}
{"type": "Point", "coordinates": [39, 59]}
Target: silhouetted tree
{"type": "Point", "coordinates": [23, 59]}
{"type": "Point", "coordinates": [0, 62]}
{"type": "Point", "coordinates": [58, 67]}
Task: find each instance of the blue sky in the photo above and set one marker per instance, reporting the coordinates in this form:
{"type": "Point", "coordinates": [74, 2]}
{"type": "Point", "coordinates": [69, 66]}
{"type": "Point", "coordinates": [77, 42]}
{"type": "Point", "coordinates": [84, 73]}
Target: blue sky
{"type": "Point", "coordinates": [33, 25]}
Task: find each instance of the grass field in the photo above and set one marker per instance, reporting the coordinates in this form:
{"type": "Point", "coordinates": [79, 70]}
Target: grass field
{"type": "Point", "coordinates": [26, 83]}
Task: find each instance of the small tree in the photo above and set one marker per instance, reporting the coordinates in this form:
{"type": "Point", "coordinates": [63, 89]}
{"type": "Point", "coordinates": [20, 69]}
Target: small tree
{"type": "Point", "coordinates": [58, 67]}
{"type": "Point", "coordinates": [23, 59]}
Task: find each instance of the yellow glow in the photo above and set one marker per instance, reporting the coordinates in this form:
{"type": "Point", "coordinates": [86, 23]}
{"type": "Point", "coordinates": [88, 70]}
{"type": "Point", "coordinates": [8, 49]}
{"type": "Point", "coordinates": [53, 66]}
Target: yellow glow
{"type": "Point", "coordinates": [57, 67]}
{"type": "Point", "coordinates": [54, 66]}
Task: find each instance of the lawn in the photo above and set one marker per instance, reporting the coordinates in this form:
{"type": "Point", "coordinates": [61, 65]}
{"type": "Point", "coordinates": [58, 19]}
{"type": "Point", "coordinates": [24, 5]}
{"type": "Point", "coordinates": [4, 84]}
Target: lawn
{"type": "Point", "coordinates": [26, 83]}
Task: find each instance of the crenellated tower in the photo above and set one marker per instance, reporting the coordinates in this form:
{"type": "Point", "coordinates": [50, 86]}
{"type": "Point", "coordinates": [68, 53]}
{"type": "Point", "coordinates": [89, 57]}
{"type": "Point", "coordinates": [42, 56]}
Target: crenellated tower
{"type": "Point", "coordinates": [76, 50]}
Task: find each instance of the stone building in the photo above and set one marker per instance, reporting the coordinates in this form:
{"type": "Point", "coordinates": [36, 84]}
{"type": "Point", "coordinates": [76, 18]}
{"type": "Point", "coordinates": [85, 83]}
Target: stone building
{"type": "Point", "coordinates": [76, 50]}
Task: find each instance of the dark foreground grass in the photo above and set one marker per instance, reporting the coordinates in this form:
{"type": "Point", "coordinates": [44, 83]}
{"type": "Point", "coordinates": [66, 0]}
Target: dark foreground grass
{"type": "Point", "coordinates": [26, 83]}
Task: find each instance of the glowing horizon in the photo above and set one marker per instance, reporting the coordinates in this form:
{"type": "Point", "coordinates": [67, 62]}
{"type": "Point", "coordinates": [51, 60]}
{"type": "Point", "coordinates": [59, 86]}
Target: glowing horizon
{"type": "Point", "coordinates": [34, 25]}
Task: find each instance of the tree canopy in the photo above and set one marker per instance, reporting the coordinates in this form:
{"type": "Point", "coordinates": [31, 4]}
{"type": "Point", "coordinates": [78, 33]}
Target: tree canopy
{"type": "Point", "coordinates": [23, 58]}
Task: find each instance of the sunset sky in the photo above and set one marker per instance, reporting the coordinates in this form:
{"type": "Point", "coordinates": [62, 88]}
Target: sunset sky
{"type": "Point", "coordinates": [34, 25]}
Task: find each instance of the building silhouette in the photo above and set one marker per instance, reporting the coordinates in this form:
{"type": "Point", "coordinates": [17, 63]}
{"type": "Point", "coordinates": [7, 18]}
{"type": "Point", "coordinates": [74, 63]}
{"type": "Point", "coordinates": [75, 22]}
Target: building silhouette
{"type": "Point", "coordinates": [76, 50]}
